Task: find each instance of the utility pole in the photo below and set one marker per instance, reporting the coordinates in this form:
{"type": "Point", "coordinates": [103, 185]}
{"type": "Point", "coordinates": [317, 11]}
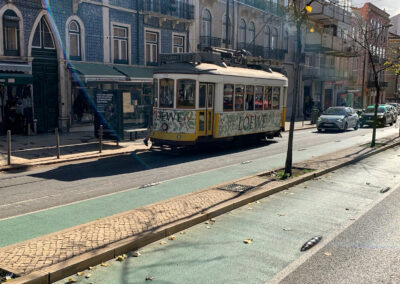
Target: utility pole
{"type": "Point", "coordinates": [227, 24]}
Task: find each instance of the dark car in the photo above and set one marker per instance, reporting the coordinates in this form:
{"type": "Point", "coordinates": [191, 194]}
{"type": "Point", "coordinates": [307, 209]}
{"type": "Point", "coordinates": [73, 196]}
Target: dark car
{"type": "Point", "coordinates": [385, 116]}
{"type": "Point", "coordinates": [339, 118]}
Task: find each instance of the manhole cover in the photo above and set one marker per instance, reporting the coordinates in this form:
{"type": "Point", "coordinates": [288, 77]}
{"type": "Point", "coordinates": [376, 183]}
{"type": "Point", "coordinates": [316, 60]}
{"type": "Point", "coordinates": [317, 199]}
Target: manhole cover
{"type": "Point", "coordinates": [236, 187]}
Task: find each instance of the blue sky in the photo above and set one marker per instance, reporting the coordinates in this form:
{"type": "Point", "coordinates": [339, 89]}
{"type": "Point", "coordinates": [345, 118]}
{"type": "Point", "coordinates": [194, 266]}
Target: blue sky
{"type": "Point", "coordinates": [391, 6]}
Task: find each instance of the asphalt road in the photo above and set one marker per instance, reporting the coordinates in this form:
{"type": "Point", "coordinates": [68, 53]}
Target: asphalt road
{"type": "Point", "coordinates": [52, 186]}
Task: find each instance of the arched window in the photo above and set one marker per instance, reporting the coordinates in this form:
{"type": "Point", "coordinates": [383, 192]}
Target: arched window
{"type": "Point", "coordinates": [206, 28]}
{"type": "Point", "coordinates": [252, 33]}
{"type": "Point", "coordinates": [74, 33]}
{"type": "Point", "coordinates": [11, 33]}
{"type": "Point", "coordinates": [286, 40]}
{"type": "Point", "coordinates": [267, 37]}
{"type": "Point", "coordinates": [43, 37]}
{"type": "Point", "coordinates": [274, 39]}
{"type": "Point", "coordinates": [224, 37]}
{"type": "Point", "coordinates": [242, 34]}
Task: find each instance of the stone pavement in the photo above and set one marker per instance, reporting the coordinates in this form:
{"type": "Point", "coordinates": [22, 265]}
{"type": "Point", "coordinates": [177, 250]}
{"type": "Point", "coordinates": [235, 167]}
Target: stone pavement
{"type": "Point", "coordinates": [41, 150]}
{"type": "Point", "coordinates": [106, 238]}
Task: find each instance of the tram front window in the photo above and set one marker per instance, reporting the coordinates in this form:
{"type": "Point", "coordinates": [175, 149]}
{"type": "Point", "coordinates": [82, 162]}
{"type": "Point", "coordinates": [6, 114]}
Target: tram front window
{"type": "Point", "coordinates": [167, 93]}
{"type": "Point", "coordinates": [186, 93]}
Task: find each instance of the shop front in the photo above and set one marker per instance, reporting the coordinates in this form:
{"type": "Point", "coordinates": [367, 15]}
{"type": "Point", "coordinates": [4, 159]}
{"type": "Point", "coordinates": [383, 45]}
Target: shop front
{"type": "Point", "coordinates": [16, 99]}
{"type": "Point", "coordinates": [118, 97]}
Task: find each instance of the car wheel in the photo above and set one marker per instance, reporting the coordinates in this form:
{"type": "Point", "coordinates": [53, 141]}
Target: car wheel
{"type": "Point", "coordinates": [356, 127]}
{"type": "Point", "coordinates": [319, 130]}
{"type": "Point", "coordinates": [383, 122]}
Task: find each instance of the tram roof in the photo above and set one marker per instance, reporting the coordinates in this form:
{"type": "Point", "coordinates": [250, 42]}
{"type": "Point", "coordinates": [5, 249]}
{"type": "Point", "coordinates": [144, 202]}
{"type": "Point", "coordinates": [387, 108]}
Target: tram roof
{"type": "Point", "coordinates": [213, 69]}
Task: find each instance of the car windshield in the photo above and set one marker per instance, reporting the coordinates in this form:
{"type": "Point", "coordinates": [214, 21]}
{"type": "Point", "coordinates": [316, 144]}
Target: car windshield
{"type": "Point", "coordinates": [335, 111]}
{"type": "Point", "coordinates": [372, 109]}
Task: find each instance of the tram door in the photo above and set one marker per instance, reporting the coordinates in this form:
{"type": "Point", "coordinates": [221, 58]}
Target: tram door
{"type": "Point", "coordinates": [207, 93]}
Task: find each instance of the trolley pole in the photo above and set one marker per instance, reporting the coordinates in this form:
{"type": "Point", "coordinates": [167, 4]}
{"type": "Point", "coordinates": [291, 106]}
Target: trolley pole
{"type": "Point", "coordinates": [57, 142]}
{"type": "Point", "coordinates": [9, 147]}
{"type": "Point", "coordinates": [101, 138]}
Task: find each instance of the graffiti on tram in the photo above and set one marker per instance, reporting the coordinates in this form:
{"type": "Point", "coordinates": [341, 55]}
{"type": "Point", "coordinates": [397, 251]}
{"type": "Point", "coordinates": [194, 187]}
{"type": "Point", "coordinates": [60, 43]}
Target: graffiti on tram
{"type": "Point", "coordinates": [174, 121]}
{"type": "Point", "coordinates": [239, 123]}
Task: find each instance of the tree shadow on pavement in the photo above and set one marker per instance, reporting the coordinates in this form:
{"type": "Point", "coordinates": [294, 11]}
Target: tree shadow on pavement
{"type": "Point", "coordinates": [130, 163]}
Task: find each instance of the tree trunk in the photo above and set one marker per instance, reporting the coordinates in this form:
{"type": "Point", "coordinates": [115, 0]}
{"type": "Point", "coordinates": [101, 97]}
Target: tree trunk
{"type": "Point", "coordinates": [289, 155]}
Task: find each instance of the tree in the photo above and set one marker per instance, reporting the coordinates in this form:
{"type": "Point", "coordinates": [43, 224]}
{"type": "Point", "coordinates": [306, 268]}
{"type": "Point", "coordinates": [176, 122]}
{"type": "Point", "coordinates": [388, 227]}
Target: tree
{"type": "Point", "coordinates": [369, 39]}
{"type": "Point", "coordinates": [300, 18]}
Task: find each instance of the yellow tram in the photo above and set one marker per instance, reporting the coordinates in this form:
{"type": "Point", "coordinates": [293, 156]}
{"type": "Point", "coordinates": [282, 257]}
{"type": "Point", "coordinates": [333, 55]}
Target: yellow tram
{"type": "Point", "coordinates": [207, 102]}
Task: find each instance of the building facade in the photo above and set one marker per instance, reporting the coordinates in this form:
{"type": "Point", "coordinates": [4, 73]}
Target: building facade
{"type": "Point", "coordinates": [66, 52]}
{"type": "Point", "coordinates": [373, 23]}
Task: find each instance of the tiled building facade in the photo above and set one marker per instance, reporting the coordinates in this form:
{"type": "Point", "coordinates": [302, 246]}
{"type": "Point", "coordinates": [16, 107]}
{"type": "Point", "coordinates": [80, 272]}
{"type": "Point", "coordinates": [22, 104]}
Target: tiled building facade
{"type": "Point", "coordinates": [92, 47]}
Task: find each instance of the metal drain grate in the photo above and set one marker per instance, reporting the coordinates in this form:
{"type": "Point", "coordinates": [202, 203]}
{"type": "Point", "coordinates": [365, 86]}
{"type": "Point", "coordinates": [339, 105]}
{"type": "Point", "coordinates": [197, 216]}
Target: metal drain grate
{"type": "Point", "coordinates": [236, 187]}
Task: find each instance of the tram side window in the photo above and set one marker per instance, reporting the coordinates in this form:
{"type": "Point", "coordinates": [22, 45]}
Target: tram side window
{"type": "Point", "coordinates": [167, 93]}
{"type": "Point", "coordinates": [202, 95]}
{"type": "Point", "coordinates": [155, 93]}
{"type": "Point", "coordinates": [259, 98]}
{"type": "Point", "coordinates": [239, 97]}
{"type": "Point", "coordinates": [249, 98]}
{"type": "Point", "coordinates": [275, 97]}
{"type": "Point", "coordinates": [268, 98]}
{"type": "Point", "coordinates": [228, 97]}
{"type": "Point", "coordinates": [186, 93]}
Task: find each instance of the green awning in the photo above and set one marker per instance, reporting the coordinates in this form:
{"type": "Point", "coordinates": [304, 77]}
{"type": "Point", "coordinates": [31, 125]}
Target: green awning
{"type": "Point", "coordinates": [97, 72]}
{"type": "Point", "coordinates": [136, 74]}
{"type": "Point", "coordinates": [15, 79]}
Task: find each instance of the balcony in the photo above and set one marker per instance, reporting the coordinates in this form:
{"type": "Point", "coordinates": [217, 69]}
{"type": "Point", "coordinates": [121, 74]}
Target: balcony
{"type": "Point", "coordinates": [325, 12]}
{"type": "Point", "coordinates": [177, 9]}
{"type": "Point", "coordinates": [266, 6]}
{"type": "Point", "coordinates": [371, 84]}
{"type": "Point", "coordinates": [209, 41]}
{"type": "Point", "coordinates": [326, 43]}
{"type": "Point", "coordinates": [266, 52]}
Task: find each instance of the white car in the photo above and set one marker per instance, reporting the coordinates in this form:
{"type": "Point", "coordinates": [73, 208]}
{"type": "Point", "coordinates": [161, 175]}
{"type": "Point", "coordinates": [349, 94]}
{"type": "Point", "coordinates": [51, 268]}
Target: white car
{"type": "Point", "coordinates": [338, 118]}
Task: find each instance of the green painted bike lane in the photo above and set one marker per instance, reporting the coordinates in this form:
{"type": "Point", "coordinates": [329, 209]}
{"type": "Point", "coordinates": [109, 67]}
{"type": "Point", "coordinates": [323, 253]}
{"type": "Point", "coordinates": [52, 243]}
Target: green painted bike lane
{"type": "Point", "coordinates": [20, 228]}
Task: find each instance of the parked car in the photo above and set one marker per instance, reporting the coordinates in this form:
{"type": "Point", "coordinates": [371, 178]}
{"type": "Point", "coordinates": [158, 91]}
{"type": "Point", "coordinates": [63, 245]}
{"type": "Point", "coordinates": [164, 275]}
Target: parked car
{"type": "Point", "coordinates": [339, 118]}
{"type": "Point", "coordinates": [385, 116]}
{"type": "Point", "coordinates": [397, 106]}
{"type": "Point", "coordinates": [394, 111]}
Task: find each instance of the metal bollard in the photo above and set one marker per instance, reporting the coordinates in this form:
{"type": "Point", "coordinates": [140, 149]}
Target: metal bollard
{"type": "Point", "coordinates": [101, 138]}
{"type": "Point", "coordinates": [57, 142]}
{"type": "Point", "coordinates": [9, 147]}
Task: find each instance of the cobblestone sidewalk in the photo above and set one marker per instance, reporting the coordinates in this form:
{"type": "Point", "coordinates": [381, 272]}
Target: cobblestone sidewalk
{"type": "Point", "coordinates": [39, 253]}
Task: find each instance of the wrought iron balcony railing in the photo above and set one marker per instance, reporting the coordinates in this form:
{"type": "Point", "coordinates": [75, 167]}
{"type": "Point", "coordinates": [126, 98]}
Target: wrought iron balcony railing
{"type": "Point", "coordinates": [209, 41]}
{"type": "Point", "coordinates": [266, 6]}
{"type": "Point", "coordinates": [175, 8]}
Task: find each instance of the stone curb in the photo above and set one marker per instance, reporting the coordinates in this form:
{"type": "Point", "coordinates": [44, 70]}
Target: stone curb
{"type": "Point", "coordinates": [82, 262]}
{"type": "Point", "coordinates": [92, 156]}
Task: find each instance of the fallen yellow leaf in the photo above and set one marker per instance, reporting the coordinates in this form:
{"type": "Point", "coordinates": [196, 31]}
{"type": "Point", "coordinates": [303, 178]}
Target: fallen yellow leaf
{"type": "Point", "coordinates": [172, 237]}
{"type": "Point", "coordinates": [105, 264]}
{"type": "Point", "coordinates": [88, 276]}
{"type": "Point", "coordinates": [80, 273]}
{"type": "Point", "coordinates": [327, 253]}
{"type": "Point", "coordinates": [248, 241]}
{"type": "Point", "coordinates": [72, 280]}
{"type": "Point", "coordinates": [163, 242]}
